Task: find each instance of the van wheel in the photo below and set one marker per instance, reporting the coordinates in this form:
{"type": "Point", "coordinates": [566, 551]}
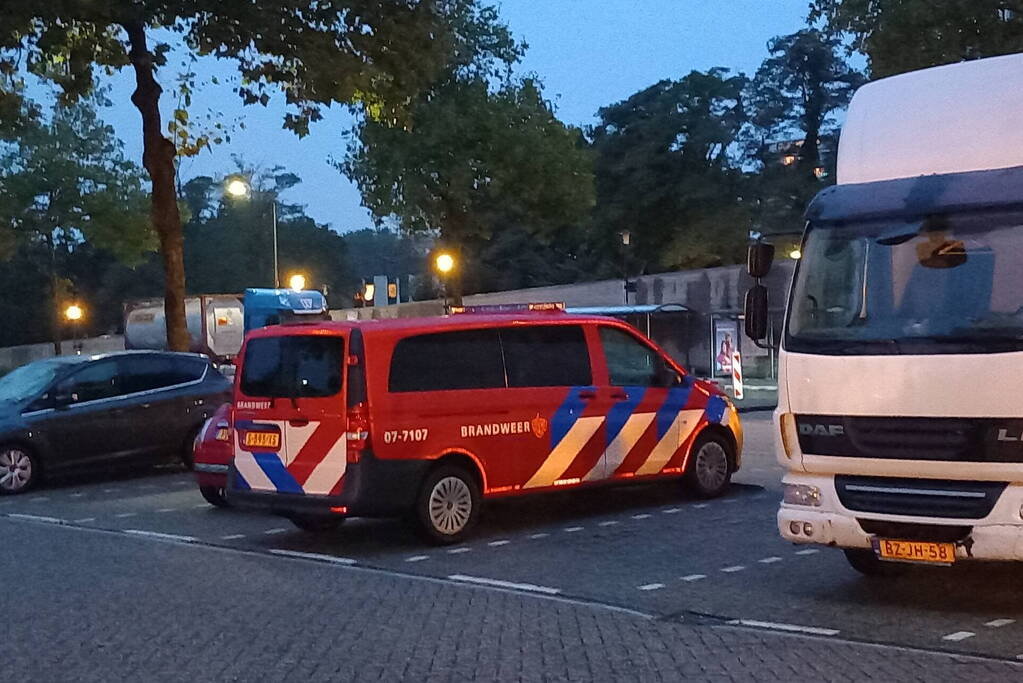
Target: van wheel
{"type": "Point", "coordinates": [316, 524]}
{"type": "Point", "coordinates": [214, 495]}
{"type": "Point", "coordinates": [448, 505]}
{"type": "Point", "coordinates": [710, 466]}
{"type": "Point", "coordinates": [19, 470]}
{"type": "Point", "coordinates": [868, 564]}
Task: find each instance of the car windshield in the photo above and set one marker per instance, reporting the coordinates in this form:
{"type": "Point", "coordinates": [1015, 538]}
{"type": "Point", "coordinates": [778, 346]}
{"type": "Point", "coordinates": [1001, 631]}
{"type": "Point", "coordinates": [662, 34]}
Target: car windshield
{"type": "Point", "coordinates": [27, 381]}
{"type": "Point", "coordinates": [942, 284]}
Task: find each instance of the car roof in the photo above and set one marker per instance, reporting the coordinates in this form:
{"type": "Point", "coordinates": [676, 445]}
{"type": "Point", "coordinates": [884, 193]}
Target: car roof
{"type": "Point", "coordinates": [139, 353]}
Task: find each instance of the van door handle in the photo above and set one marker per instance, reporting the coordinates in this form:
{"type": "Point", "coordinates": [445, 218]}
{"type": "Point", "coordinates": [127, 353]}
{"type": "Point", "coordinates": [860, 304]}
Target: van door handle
{"type": "Point", "coordinates": [587, 395]}
{"type": "Point", "coordinates": [298, 423]}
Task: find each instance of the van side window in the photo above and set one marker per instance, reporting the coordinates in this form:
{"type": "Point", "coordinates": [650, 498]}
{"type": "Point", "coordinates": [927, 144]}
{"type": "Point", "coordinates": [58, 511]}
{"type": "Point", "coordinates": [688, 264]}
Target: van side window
{"type": "Point", "coordinates": [468, 359]}
{"type": "Point", "coordinates": [630, 363]}
{"type": "Point", "coordinates": [300, 366]}
{"type": "Point", "coordinates": [546, 356]}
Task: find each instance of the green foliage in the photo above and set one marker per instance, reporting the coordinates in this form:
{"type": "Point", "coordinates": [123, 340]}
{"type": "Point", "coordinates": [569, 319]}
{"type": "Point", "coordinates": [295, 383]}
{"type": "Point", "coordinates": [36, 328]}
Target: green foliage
{"type": "Point", "coordinates": [904, 35]}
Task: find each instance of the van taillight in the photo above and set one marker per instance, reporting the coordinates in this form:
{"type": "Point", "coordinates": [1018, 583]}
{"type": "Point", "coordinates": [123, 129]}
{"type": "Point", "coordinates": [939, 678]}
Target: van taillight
{"type": "Point", "coordinates": [358, 431]}
{"type": "Point", "coordinates": [223, 432]}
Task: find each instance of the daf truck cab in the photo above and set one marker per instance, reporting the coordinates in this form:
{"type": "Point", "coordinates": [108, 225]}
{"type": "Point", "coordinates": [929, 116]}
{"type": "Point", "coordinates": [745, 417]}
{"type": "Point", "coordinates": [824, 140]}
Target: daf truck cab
{"type": "Point", "coordinates": [900, 413]}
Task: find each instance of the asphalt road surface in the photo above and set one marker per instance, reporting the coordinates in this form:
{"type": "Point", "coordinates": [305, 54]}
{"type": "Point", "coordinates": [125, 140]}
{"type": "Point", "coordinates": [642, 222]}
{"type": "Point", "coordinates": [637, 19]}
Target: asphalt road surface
{"type": "Point", "coordinates": [642, 552]}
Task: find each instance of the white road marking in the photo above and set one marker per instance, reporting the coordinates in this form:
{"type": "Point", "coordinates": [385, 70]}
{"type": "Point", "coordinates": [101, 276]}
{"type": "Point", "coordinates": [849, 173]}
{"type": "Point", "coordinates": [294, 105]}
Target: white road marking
{"type": "Point", "coordinates": [998, 623]}
{"type": "Point", "coordinates": [610, 522]}
{"type": "Point", "coordinates": [958, 635]}
{"type": "Point", "coordinates": [694, 577]}
{"type": "Point", "coordinates": [494, 544]}
{"type": "Point", "coordinates": [700, 506]}
{"type": "Point", "coordinates": [730, 500]}
{"type": "Point", "coordinates": [166, 509]}
{"type": "Point", "coordinates": [38, 499]}
{"type": "Point", "coordinates": [165, 537]}
{"type": "Point", "coordinates": [671, 511]}
{"type": "Point", "coordinates": [109, 490]}
{"type": "Point", "coordinates": [77, 495]}
{"type": "Point", "coordinates": [147, 487]}
{"type": "Point", "coordinates": [535, 536]}
{"type": "Point", "coordinates": [732, 570]}
{"type": "Point", "coordinates": [643, 516]}
{"type": "Point", "coordinates": [497, 583]}
{"type": "Point", "coordinates": [770, 560]}
{"type": "Point", "coordinates": [651, 587]}
{"type": "Point", "coordinates": [200, 506]}
{"type": "Point", "coordinates": [125, 515]}
{"type": "Point", "coordinates": [808, 551]}
{"type": "Point", "coordinates": [36, 518]}
{"type": "Point", "coordinates": [84, 520]}
{"type": "Point", "coordinates": [788, 628]}
{"type": "Point", "coordinates": [456, 551]}
{"type": "Point", "coordinates": [278, 530]}
{"type": "Point", "coordinates": [182, 483]}
{"type": "Point", "coordinates": [573, 529]}
{"type": "Point", "coordinates": [232, 537]}
{"type": "Point", "coordinates": [417, 558]}
{"type": "Point", "coordinates": [313, 556]}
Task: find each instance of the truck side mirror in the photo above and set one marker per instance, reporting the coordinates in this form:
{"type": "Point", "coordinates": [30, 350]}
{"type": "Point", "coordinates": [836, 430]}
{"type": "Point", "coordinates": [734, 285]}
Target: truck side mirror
{"type": "Point", "coordinates": [756, 312]}
{"type": "Point", "coordinates": [758, 259]}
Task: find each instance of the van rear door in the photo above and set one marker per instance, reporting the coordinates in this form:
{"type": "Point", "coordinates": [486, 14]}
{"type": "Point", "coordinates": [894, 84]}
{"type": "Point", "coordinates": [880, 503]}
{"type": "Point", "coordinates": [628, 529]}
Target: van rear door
{"type": "Point", "coordinates": [290, 418]}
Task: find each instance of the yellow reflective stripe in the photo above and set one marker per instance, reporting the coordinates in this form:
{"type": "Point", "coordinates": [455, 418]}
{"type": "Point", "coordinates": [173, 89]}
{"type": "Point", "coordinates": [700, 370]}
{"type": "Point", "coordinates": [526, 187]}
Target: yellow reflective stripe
{"type": "Point", "coordinates": [681, 429]}
{"type": "Point", "coordinates": [619, 449]}
{"type": "Point", "coordinates": [560, 459]}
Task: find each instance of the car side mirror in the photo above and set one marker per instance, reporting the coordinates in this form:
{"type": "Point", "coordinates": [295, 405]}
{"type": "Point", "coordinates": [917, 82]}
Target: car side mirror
{"type": "Point", "coordinates": [756, 313]}
{"type": "Point", "coordinates": [759, 257]}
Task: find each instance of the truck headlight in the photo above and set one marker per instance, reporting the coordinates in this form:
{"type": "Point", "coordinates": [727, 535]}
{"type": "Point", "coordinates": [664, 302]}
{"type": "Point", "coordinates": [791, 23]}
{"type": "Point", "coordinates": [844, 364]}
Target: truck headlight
{"type": "Point", "coordinates": [802, 494]}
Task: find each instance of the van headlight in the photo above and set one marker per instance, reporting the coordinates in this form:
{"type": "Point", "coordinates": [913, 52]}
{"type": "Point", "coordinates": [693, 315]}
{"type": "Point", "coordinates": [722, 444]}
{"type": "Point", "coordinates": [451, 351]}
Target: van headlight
{"type": "Point", "coordinates": [801, 494]}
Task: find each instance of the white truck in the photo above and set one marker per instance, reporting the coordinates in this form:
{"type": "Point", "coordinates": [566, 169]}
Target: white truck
{"type": "Point", "coordinates": [900, 409]}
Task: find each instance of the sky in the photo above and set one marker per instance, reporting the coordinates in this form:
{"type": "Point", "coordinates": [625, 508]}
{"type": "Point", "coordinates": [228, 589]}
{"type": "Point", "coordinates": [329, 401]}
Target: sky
{"type": "Point", "coordinates": [587, 53]}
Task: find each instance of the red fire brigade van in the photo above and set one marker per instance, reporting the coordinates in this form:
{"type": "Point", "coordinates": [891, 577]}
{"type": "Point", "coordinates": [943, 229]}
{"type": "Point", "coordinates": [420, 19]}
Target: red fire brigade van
{"type": "Point", "coordinates": [433, 415]}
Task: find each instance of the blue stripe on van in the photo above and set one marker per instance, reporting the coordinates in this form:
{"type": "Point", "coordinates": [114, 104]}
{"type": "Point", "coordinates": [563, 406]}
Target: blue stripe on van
{"type": "Point", "coordinates": [277, 473]}
{"type": "Point", "coordinates": [621, 412]}
{"type": "Point", "coordinates": [715, 409]}
{"type": "Point", "coordinates": [239, 482]}
{"type": "Point", "coordinates": [565, 416]}
{"type": "Point", "coordinates": [673, 405]}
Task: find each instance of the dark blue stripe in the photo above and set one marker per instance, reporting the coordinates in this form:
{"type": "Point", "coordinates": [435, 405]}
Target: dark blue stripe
{"type": "Point", "coordinates": [673, 405]}
{"type": "Point", "coordinates": [239, 482]}
{"type": "Point", "coordinates": [621, 412]}
{"type": "Point", "coordinates": [565, 416]}
{"type": "Point", "coordinates": [715, 409]}
{"type": "Point", "coordinates": [277, 473]}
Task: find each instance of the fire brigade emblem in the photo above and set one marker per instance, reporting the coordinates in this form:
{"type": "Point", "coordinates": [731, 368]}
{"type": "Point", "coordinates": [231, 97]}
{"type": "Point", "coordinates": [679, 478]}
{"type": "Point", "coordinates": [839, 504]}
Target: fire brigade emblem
{"type": "Point", "coordinates": [539, 425]}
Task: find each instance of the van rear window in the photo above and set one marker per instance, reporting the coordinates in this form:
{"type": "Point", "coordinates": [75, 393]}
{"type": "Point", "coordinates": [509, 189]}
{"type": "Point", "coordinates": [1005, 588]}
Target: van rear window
{"type": "Point", "coordinates": [469, 359]}
{"type": "Point", "coordinates": [293, 367]}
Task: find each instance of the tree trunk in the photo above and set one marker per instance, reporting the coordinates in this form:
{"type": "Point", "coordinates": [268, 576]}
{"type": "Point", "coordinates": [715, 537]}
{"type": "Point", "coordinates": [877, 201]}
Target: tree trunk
{"type": "Point", "coordinates": [158, 158]}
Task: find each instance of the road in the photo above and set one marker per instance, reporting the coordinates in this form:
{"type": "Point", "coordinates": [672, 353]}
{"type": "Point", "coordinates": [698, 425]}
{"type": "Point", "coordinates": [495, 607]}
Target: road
{"type": "Point", "coordinates": [647, 553]}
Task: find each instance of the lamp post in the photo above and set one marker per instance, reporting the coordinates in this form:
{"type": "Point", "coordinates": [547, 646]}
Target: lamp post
{"type": "Point", "coordinates": [626, 241]}
{"type": "Point", "coordinates": [240, 188]}
{"type": "Point", "coordinates": [74, 314]}
{"type": "Point", "coordinates": [445, 263]}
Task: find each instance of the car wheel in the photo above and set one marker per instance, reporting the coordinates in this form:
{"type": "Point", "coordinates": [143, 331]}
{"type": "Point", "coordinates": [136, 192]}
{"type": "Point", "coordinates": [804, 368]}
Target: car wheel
{"type": "Point", "coordinates": [316, 524]}
{"type": "Point", "coordinates": [448, 505]}
{"type": "Point", "coordinates": [710, 467]}
{"type": "Point", "coordinates": [214, 495]}
{"type": "Point", "coordinates": [868, 564]}
{"type": "Point", "coordinates": [19, 470]}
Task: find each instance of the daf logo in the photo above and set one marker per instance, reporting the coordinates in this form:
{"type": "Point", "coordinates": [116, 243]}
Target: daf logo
{"type": "Point", "coordinates": [821, 430]}
{"type": "Point", "coordinates": [1005, 435]}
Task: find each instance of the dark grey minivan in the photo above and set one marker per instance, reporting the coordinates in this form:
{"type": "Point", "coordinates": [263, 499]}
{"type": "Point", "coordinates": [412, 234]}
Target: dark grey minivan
{"type": "Point", "coordinates": [79, 412]}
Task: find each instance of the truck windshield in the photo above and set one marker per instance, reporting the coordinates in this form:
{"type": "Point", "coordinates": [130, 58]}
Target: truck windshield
{"type": "Point", "coordinates": [941, 284]}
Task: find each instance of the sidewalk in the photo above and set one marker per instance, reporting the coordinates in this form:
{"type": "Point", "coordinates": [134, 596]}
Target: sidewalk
{"type": "Point", "coordinates": [758, 394]}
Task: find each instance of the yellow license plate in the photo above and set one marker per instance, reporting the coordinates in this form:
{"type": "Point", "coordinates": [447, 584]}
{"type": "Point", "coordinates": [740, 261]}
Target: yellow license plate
{"type": "Point", "coordinates": [263, 440]}
{"type": "Point", "coordinates": [915, 551]}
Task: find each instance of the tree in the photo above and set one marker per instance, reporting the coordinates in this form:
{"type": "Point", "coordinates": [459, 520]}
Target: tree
{"type": "Point", "coordinates": [377, 54]}
{"type": "Point", "coordinates": [914, 34]}
{"type": "Point", "coordinates": [63, 183]}
{"type": "Point", "coordinates": [478, 158]}
{"type": "Point", "coordinates": [667, 173]}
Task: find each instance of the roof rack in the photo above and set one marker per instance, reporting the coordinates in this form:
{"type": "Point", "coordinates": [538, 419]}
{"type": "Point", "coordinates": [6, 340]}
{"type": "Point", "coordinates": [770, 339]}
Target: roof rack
{"type": "Point", "coordinates": [544, 307]}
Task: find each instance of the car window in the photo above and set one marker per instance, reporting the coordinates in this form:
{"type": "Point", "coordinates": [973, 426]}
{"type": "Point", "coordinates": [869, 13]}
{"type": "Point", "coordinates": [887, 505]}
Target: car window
{"type": "Point", "coordinates": [302, 366]}
{"type": "Point", "coordinates": [148, 373]}
{"type": "Point", "coordinates": [94, 382]}
{"type": "Point", "coordinates": [468, 359]}
{"type": "Point", "coordinates": [546, 356]}
{"type": "Point", "coordinates": [630, 363]}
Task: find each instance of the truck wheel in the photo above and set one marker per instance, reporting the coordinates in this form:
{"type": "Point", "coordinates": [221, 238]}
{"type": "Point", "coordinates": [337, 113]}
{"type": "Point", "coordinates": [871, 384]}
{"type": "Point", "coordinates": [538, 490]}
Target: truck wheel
{"type": "Point", "coordinates": [868, 564]}
{"type": "Point", "coordinates": [710, 466]}
{"type": "Point", "coordinates": [19, 470]}
{"type": "Point", "coordinates": [448, 505]}
{"type": "Point", "coordinates": [214, 495]}
{"type": "Point", "coordinates": [316, 524]}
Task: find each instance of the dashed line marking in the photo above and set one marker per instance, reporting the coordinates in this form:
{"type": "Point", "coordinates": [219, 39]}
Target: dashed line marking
{"type": "Point", "coordinates": [232, 537]}
{"type": "Point", "coordinates": [497, 583]}
{"type": "Point", "coordinates": [109, 490]}
{"type": "Point", "coordinates": [999, 623]}
{"type": "Point", "coordinates": [278, 530]}
{"type": "Point", "coordinates": [36, 518]}
{"type": "Point", "coordinates": [166, 509]}
{"type": "Point", "coordinates": [77, 495]}
{"type": "Point", "coordinates": [643, 516]}
{"type": "Point", "coordinates": [770, 560]}
{"type": "Point", "coordinates": [495, 544]}
{"type": "Point", "coordinates": [700, 506]}
{"type": "Point", "coordinates": [162, 536]}
{"type": "Point", "coordinates": [788, 628]}
{"type": "Point", "coordinates": [182, 483]}
{"type": "Point", "coordinates": [573, 529]}
{"type": "Point", "coordinates": [651, 587]}
{"type": "Point", "coordinates": [694, 577]}
{"type": "Point", "coordinates": [808, 551]}
{"type": "Point", "coordinates": [958, 636]}
{"type": "Point", "coordinates": [39, 499]}
{"type": "Point", "coordinates": [417, 558]}
{"type": "Point", "coordinates": [671, 511]}
{"type": "Point", "coordinates": [85, 520]}
{"type": "Point", "coordinates": [125, 515]}
{"type": "Point", "coordinates": [201, 506]}
{"type": "Point", "coordinates": [730, 500]}
{"type": "Point", "coordinates": [732, 570]}
{"type": "Point", "coordinates": [456, 551]}
{"type": "Point", "coordinates": [333, 559]}
{"type": "Point", "coordinates": [535, 536]}
{"type": "Point", "coordinates": [610, 522]}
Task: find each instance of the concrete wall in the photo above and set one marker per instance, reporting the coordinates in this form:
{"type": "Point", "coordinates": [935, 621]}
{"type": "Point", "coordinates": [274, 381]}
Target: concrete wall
{"type": "Point", "coordinates": [15, 356]}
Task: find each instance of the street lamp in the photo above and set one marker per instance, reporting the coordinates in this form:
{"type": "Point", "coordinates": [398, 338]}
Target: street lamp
{"type": "Point", "coordinates": [240, 188]}
{"type": "Point", "coordinates": [297, 282]}
{"type": "Point", "coordinates": [74, 314]}
{"type": "Point", "coordinates": [445, 263]}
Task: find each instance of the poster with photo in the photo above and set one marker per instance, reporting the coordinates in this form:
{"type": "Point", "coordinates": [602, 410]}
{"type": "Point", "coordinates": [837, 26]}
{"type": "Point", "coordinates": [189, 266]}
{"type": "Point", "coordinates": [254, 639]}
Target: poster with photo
{"type": "Point", "coordinates": [726, 335]}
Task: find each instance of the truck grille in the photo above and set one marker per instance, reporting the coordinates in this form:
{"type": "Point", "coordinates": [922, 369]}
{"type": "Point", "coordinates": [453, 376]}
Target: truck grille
{"type": "Point", "coordinates": [919, 497]}
{"type": "Point", "coordinates": [909, 531]}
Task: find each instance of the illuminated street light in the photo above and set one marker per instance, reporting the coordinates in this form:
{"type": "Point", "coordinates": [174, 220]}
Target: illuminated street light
{"type": "Point", "coordinates": [237, 187]}
{"type": "Point", "coordinates": [74, 313]}
{"type": "Point", "coordinates": [795, 254]}
{"type": "Point", "coordinates": [445, 263]}
{"type": "Point", "coordinates": [297, 281]}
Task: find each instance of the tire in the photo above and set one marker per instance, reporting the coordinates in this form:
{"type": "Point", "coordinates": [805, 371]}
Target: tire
{"type": "Point", "coordinates": [868, 564]}
{"type": "Point", "coordinates": [316, 524]}
{"type": "Point", "coordinates": [214, 495]}
{"type": "Point", "coordinates": [19, 470]}
{"type": "Point", "coordinates": [710, 466]}
{"type": "Point", "coordinates": [188, 449]}
{"type": "Point", "coordinates": [448, 506]}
